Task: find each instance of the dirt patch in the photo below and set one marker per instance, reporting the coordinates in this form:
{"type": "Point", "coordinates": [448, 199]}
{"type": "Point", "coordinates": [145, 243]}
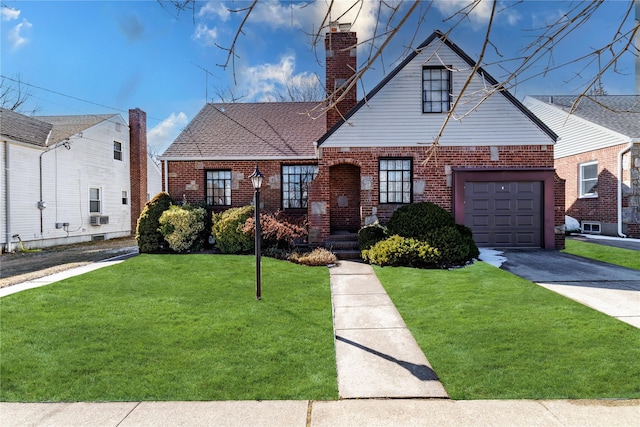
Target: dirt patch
{"type": "Point", "coordinates": [20, 267]}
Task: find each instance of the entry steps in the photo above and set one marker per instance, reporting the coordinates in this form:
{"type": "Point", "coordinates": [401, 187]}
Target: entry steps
{"type": "Point", "coordinates": [344, 245]}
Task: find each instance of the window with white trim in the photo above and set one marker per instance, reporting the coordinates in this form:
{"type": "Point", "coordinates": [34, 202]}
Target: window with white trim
{"type": "Point", "coordinates": [588, 179]}
{"type": "Point", "coordinates": [117, 150]}
{"type": "Point", "coordinates": [436, 89]}
{"type": "Point", "coordinates": [295, 185]}
{"type": "Point", "coordinates": [95, 200]}
{"type": "Point", "coordinates": [125, 197]}
{"type": "Point", "coordinates": [218, 187]}
{"type": "Point", "coordinates": [395, 180]}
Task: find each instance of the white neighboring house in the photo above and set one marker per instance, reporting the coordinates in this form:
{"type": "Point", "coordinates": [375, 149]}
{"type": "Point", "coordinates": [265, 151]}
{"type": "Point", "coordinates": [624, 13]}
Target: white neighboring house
{"type": "Point", "coordinates": [68, 179]}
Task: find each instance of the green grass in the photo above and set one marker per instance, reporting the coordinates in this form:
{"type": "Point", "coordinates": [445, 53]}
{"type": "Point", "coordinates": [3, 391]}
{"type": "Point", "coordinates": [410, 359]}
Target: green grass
{"type": "Point", "coordinates": [623, 257]}
{"type": "Point", "coordinates": [491, 335]}
{"type": "Point", "coordinates": [161, 327]}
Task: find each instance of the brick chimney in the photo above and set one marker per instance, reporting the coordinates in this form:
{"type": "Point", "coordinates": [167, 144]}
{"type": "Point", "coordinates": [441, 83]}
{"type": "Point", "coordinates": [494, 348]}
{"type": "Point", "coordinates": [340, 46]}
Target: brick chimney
{"type": "Point", "coordinates": [340, 45]}
{"type": "Point", "coordinates": [137, 164]}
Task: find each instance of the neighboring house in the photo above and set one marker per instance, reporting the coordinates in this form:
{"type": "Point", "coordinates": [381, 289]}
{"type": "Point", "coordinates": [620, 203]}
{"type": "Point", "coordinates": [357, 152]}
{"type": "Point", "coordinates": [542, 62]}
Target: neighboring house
{"type": "Point", "coordinates": [598, 154]}
{"type": "Point", "coordinates": [69, 179]}
{"type": "Point", "coordinates": [493, 169]}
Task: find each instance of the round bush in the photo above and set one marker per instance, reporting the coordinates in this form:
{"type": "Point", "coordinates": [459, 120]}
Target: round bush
{"type": "Point", "coordinates": [402, 251]}
{"type": "Point", "coordinates": [228, 231]}
{"type": "Point", "coordinates": [418, 220]}
{"type": "Point", "coordinates": [454, 247]}
{"type": "Point", "coordinates": [371, 234]}
{"type": "Point", "coordinates": [181, 227]}
{"type": "Point", "coordinates": [149, 238]}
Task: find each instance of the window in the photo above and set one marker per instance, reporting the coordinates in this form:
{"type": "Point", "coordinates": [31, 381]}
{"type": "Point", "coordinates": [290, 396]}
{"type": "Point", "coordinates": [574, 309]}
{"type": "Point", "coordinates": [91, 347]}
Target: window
{"type": "Point", "coordinates": [436, 89]}
{"type": "Point", "coordinates": [395, 180]}
{"type": "Point", "coordinates": [588, 179]}
{"type": "Point", "coordinates": [95, 202]}
{"type": "Point", "coordinates": [125, 197]}
{"type": "Point", "coordinates": [218, 187]}
{"type": "Point", "coordinates": [295, 185]}
{"type": "Point", "coordinates": [117, 150]}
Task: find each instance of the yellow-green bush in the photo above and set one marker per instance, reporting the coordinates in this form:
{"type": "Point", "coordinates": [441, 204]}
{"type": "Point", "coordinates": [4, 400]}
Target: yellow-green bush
{"type": "Point", "coordinates": [181, 227]}
{"type": "Point", "coordinates": [402, 251]}
{"type": "Point", "coordinates": [228, 230]}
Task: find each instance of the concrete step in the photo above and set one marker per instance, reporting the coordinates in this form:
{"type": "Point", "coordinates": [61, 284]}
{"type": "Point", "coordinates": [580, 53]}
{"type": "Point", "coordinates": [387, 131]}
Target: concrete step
{"type": "Point", "coordinates": [347, 254]}
{"type": "Point", "coordinates": [342, 245]}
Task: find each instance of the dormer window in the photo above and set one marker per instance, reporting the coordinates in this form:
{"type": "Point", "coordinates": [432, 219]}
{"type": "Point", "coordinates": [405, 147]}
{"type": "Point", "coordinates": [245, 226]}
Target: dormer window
{"type": "Point", "coordinates": [436, 90]}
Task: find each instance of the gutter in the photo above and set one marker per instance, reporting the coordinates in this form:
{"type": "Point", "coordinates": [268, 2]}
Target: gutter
{"type": "Point", "coordinates": [166, 176]}
{"type": "Point", "coordinates": [620, 171]}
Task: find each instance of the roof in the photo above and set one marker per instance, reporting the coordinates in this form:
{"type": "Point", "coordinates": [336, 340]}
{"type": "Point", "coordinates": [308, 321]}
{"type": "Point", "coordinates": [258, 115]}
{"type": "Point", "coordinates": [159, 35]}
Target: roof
{"type": "Point", "coordinates": [486, 76]}
{"type": "Point", "coordinates": [66, 126]}
{"type": "Point", "coordinates": [619, 113]}
{"type": "Point", "coordinates": [23, 128]}
{"type": "Point", "coordinates": [249, 131]}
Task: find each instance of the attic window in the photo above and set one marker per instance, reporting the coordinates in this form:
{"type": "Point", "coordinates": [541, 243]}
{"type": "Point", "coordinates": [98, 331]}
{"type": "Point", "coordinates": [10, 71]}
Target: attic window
{"type": "Point", "coordinates": [117, 150]}
{"type": "Point", "coordinates": [436, 90]}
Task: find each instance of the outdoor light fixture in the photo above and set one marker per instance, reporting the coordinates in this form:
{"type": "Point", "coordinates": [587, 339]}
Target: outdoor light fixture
{"type": "Point", "coordinates": [256, 180]}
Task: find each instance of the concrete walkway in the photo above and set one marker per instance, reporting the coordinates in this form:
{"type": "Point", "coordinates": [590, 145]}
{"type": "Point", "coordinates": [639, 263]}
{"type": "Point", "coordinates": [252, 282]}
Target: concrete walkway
{"type": "Point", "coordinates": [376, 355]}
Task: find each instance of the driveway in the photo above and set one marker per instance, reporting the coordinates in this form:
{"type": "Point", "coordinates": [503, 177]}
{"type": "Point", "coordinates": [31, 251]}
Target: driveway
{"type": "Point", "coordinates": [604, 287]}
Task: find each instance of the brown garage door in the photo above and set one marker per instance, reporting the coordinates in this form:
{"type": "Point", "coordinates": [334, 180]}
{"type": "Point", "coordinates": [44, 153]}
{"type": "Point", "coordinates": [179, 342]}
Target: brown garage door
{"type": "Point", "coordinates": [504, 214]}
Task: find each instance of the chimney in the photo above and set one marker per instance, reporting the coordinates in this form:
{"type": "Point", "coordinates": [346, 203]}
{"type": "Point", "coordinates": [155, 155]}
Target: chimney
{"type": "Point", "coordinates": [340, 45]}
{"type": "Point", "coordinates": [137, 164]}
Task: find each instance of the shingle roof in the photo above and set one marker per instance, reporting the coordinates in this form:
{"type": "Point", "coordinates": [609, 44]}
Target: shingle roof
{"type": "Point", "coordinates": [24, 128]}
{"type": "Point", "coordinates": [65, 126]}
{"type": "Point", "coordinates": [620, 113]}
{"type": "Point", "coordinates": [249, 130]}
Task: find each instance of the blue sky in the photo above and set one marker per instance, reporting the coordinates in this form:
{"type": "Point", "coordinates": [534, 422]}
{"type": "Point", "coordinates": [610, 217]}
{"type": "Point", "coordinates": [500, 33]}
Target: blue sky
{"type": "Point", "coordinates": [90, 57]}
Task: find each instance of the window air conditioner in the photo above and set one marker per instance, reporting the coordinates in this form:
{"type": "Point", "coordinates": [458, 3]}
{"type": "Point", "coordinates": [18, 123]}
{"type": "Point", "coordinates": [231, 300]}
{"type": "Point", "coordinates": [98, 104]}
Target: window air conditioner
{"type": "Point", "coordinates": [104, 220]}
{"type": "Point", "coordinates": [95, 220]}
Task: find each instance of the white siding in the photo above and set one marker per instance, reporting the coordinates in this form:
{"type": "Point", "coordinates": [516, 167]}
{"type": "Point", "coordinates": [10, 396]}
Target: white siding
{"type": "Point", "coordinates": [393, 117]}
{"type": "Point", "coordinates": [154, 178]}
{"type": "Point", "coordinates": [67, 175]}
{"type": "Point", "coordinates": [576, 135]}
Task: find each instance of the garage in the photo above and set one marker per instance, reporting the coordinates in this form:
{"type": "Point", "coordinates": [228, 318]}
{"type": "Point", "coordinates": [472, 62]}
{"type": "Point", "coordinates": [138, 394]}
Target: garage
{"type": "Point", "coordinates": [504, 214]}
{"type": "Point", "coordinates": [506, 208]}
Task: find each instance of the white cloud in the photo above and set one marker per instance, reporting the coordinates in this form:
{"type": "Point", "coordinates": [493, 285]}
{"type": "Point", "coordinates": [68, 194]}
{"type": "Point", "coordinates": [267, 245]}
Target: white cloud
{"type": "Point", "coordinates": [205, 35]}
{"type": "Point", "coordinates": [9, 13]}
{"type": "Point", "coordinates": [16, 34]}
{"type": "Point", "coordinates": [215, 9]}
{"type": "Point", "coordinates": [265, 82]}
{"type": "Point", "coordinates": [162, 135]}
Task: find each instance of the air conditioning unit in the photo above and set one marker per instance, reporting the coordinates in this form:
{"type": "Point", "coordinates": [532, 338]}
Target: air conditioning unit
{"type": "Point", "coordinates": [95, 220]}
{"type": "Point", "coordinates": [104, 220]}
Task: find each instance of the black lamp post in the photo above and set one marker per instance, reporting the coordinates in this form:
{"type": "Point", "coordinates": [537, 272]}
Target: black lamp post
{"type": "Point", "coordinates": [256, 181]}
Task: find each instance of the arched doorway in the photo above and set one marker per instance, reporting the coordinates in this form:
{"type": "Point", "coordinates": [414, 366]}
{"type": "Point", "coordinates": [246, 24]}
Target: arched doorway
{"type": "Point", "coordinates": [344, 198]}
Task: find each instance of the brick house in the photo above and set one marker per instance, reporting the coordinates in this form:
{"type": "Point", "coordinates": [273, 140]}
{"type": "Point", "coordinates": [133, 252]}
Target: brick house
{"type": "Point", "coordinates": [493, 169]}
{"type": "Point", "coordinates": [598, 154]}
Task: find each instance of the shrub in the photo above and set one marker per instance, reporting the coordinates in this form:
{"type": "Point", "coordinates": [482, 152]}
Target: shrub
{"type": "Point", "coordinates": [317, 257]}
{"type": "Point", "coordinates": [418, 219]}
{"type": "Point", "coordinates": [402, 251]}
{"type": "Point", "coordinates": [276, 230]}
{"type": "Point", "coordinates": [371, 234]}
{"type": "Point", "coordinates": [228, 230]}
{"type": "Point", "coordinates": [181, 227]}
{"type": "Point", "coordinates": [149, 238]}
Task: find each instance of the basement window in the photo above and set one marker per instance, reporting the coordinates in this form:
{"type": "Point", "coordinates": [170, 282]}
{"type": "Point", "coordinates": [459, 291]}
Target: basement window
{"type": "Point", "coordinates": [591, 227]}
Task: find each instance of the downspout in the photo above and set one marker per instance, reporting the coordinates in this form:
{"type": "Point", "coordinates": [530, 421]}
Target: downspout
{"type": "Point", "coordinates": [7, 193]}
{"type": "Point", "coordinates": [40, 203]}
{"type": "Point", "coordinates": [620, 171]}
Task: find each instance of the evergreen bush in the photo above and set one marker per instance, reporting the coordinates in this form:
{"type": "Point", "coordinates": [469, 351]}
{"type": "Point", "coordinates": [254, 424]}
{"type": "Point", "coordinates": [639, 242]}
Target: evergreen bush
{"type": "Point", "coordinates": [181, 227]}
{"type": "Point", "coordinates": [402, 251]}
{"type": "Point", "coordinates": [417, 220]}
{"type": "Point", "coordinates": [149, 238]}
{"type": "Point", "coordinates": [228, 230]}
{"type": "Point", "coordinates": [371, 234]}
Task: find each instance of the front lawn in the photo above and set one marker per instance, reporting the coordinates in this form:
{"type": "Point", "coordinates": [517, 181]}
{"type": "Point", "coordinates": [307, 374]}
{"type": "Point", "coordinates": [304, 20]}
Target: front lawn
{"type": "Point", "coordinates": [492, 335]}
{"type": "Point", "coordinates": [172, 327]}
{"type": "Point", "coordinates": [618, 256]}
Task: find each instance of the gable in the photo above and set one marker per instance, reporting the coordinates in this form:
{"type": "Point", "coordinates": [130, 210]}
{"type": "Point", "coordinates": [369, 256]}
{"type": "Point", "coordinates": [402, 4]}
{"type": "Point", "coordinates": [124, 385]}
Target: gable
{"type": "Point", "coordinates": [391, 115]}
{"type": "Point", "coordinates": [66, 126]}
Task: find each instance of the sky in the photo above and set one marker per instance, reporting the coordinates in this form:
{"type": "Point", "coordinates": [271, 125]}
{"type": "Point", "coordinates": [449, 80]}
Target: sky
{"type": "Point", "coordinates": [97, 57]}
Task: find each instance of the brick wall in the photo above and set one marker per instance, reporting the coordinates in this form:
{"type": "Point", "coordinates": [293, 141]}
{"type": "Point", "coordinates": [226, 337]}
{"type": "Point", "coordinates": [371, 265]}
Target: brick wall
{"type": "Point", "coordinates": [431, 181]}
{"type": "Point", "coordinates": [341, 65]}
{"type": "Point", "coordinates": [138, 163]}
{"type": "Point", "coordinates": [559, 209]}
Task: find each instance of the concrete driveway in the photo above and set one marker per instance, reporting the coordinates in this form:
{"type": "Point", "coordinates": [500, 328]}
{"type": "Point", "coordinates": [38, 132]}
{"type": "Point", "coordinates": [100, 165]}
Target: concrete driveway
{"type": "Point", "coordinates": [604, 287]}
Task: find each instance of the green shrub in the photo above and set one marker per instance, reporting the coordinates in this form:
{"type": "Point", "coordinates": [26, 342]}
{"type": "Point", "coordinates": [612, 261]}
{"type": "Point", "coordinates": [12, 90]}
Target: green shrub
{"type": "Point", "coordinates": [453, 247]}
{"type": "Point", "coordinates": [402, 251]}
{"type": "Point", "coordinates": [371, 234]}
{"type": "Point", "coordinates": [317, 257]}
{"type": "Point", "coordinates": [149, 238]}
{"type": "Point", "coordinates": [228, 231]}
{"type": "Point", "coordinates": [418, 220]}
{"type": "Point", "coordinates": [181, 227]}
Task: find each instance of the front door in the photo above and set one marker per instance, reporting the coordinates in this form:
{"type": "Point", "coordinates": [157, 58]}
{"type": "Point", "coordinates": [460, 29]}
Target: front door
{"type": "Point", "coordinates": [345, 198]}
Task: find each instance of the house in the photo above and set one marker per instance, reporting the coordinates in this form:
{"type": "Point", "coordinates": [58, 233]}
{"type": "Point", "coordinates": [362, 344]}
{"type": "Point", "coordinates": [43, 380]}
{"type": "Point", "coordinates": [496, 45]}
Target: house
{"type": "Point", "coordinates": [598, 154]}
{"type": "Point", "coordinates": [493, 169]}
{"type": "Point", "coordinates": [70, 179]}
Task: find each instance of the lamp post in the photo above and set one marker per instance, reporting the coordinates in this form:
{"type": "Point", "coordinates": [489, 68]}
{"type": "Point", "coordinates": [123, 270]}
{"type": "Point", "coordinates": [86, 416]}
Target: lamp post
{"type": "Point", "coordinates": [256, 181]}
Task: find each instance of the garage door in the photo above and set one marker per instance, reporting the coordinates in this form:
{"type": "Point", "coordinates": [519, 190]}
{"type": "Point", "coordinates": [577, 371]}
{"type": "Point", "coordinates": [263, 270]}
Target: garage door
{"type": "Point", "coordinates": [504, 214]}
